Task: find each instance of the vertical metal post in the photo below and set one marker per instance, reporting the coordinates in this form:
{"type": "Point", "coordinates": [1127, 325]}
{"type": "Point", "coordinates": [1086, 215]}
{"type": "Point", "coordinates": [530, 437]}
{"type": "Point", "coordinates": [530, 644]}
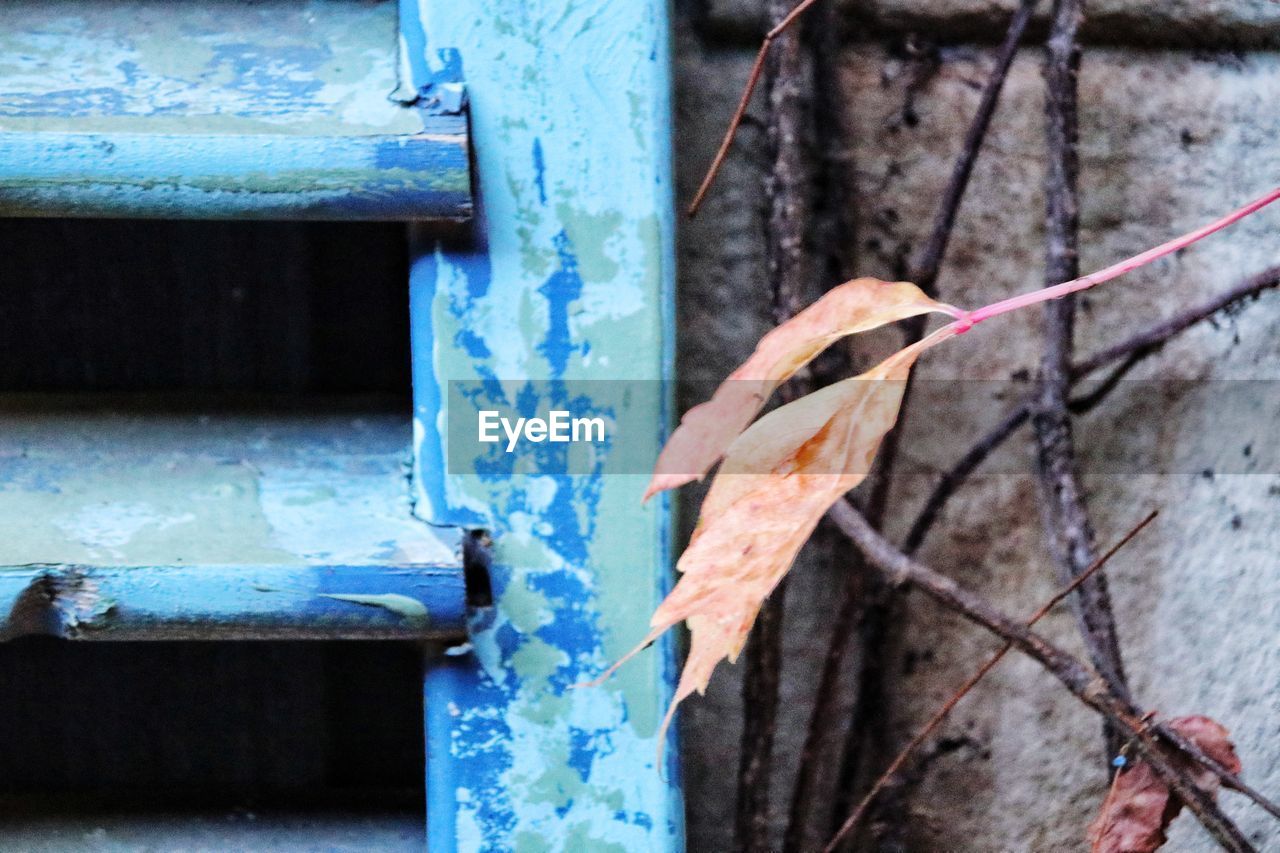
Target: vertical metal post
{"type": "Point", "coordinates": [566, 276]}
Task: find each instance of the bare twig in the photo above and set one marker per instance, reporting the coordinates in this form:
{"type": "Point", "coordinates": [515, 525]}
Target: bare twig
{"type": "Point", "coordinates": [1083, 403]}
{"type": "Point", "coordinates": [788, 188]}
{"type": "Point", "coordinates": [1129, 351]}
{"type": "Point", "coordinates": [876, 611]}
{"type": "Point", "coordinates": [1229, 779]}
{"type": "Point", "coordinates": [936, 720]}
{"type": "Point", "coordinates": [1072, 673]}
{"type": "Point", "coordinates": [759, 721]}
{"type": "Point", "coordinates": [1203, 806]}
{"type": "Point", "coordinates": [925, 271]}
{"type": "Point", "coordinates": [1151, 339]}
{"type": "Point", "coordinates": [958, 473]}
{"type": "Point", "coordinates": [812, 804]}
{"type": "Point", "coordinates": [747, 91]}
{"type": "Point", "coordinates": [1062, 502]}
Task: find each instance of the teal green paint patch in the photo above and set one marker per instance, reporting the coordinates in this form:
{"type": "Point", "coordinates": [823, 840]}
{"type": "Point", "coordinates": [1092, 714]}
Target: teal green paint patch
{"type": "Point", "coordinates": [525, 608]}
{"type": "Point", "coordinates": [546, 709]}
{"type": "Point", "coordinates": [589, 233]}
{"type": "Point", "coordinates": [529, 842]}
{"type": "Point", "coordinates": [410, 609]}
{"type": "Point", "coordinates": [536, 660]}
{"type": "Point", "coordinates": [99, 480]}
{"type": "Point", "coordinates": [582, 840]}
{"type": "Point", "coordinates": [318, 494]}
{"type": "Point", "coordinates": [558, 786]}
{"type": "Point", "coordinates": [638, 123]}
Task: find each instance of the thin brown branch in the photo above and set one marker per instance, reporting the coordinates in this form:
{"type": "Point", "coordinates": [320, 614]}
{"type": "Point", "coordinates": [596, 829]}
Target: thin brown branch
{"type": "Point", "coordinates": [1129, 351]}
{"type": "Point", "coordinates": [929, 263]}
{"type": "Point", "coordinates": [760, 714]}
{"type": "Point", "coordinates": [753, 79]}
{"type": "Point", "coordinates": [1151, 339]}
{"type": "Point", "coordinates": [1075, 675]}
{"type": "Point", "coordinates": [734, 123]}
{"type": "Point", "coordinates": [1197, 801]}
{"type": "Point", "coordinates": [789, 19]}
{"type": "Point", "coordinates": [876, 612]}
{"type": "Point", "coordinates": [1083, 403]}
{"type": "Point", "coordinates": [960, 472]}
{"type": "Point", "coordinates": [788, 189]}
{"type": "Point", "coordinates": [1229, 779]}
{"type": "Point", "coordinates": [1062, 502]}
{"type": "Point", "coordinates": [937, 719]}
{"type": "Point", "coordinates": [812, 802]}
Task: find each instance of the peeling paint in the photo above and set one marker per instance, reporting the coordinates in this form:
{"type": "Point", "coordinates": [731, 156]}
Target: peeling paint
{"type": "Point", "coordinates": [417, 602]}
{"type": "Point", "coordinates": [276, 66]}
{"type": "Point", "coordinates": [570, 279]}
{"type": "Point", "coordinates": [277, 108]}
{"type": "Point", "coordinates": [212, 176]}
{"type": "Point", "coordinates": [121, 482]}
{"type": "Point", "coordinates": [589, 235]}
{"type": "Point", "coordinates": [411, 609]}
{"type": "Point", "coordinates": [79, 602]}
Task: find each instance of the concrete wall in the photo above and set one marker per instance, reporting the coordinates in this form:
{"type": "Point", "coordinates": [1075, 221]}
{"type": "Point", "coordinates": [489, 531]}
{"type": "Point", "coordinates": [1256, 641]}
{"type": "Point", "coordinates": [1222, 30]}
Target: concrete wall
{"type": "Point", "coordinates": [1178, 126]}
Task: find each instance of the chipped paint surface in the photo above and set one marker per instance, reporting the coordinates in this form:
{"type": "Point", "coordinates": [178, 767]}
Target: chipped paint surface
{"type": "Point", "coordinates": [129, 484]}
{"type": "Point", "coordinates": [226, 108]}
{"type": "Point", "coordinates": [233, 602]}
{"type": "Point", "coordinates": [569, 278]}
{"type": "Point", "coordinates": [413, 611]}
{"type": "Point", "coordinates": [307, 67]}
{"type": "Point", "coordinates": [422, 176]}
{"type": "Point", "coordinates": [124, 519]}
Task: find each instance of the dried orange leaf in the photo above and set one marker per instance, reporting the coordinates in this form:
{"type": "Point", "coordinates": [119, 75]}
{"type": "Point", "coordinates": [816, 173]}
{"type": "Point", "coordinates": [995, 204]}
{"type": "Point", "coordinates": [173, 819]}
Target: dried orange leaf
{"type": "Point", "coordinates": [778, 479]}
{"type": "Point", "coordinates": [1139, 808]}
{"type": "Point", "coordinates": [706, 430]}
{"type": "Point", "coordinates": [784, 441]}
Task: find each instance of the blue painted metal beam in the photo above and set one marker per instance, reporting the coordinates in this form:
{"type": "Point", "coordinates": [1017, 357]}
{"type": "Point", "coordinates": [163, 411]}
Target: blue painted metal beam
{"type": "Point", "coordinates": [567, 276]}
{"type": "Point", "coordinates": [236, 602]}
{"type": "Point", "coordinates": [422, 176]}
{"type": "Point", "coordinates": [289, 109]}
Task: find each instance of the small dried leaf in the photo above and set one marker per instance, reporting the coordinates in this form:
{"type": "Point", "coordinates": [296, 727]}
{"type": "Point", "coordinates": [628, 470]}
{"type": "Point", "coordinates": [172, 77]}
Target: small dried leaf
{"type": "Point", "coordinates": [1214, 741]}
{"type": "Point", "coordinates": [1134, 815]}
{"type": "Point", "coordinates": [707, 430]}
{"type": "Point", "coordinates": [777, 481]}
{"type": "Point", "coordinates": [1139, 808]}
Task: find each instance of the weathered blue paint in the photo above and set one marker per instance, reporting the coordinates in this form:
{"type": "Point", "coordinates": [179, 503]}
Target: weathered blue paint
{"type": "Point", "coordinates": [117, 481]}
{"type": "Point", "coordinates": [423, 176]}
{"type": "Point", "coordinates": [275, 109]}
{"type": "Point", "coordinates": [302, 67]}
{"type": "Point", "coordinates": [539, 171]}
{"type": "Point", "coordinates": [566, 276]}
{"type": "Point", "coordinates": [235, 602]}
{"type": "Point", "coordinates": [413, 68]}
{"type": "Point", "coordinates": [447, 678]}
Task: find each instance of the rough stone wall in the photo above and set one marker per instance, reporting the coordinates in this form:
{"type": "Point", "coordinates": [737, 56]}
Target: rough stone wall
{"type": "Point", "coordinates": [1178, 125]}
